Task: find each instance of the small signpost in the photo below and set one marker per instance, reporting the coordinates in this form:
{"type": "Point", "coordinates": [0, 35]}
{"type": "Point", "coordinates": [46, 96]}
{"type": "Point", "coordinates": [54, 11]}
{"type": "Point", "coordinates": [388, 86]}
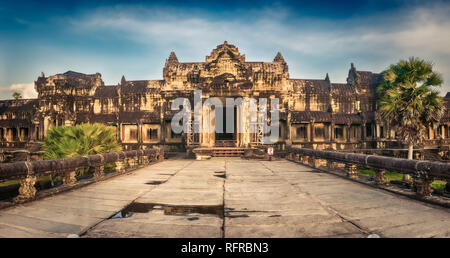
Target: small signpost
{"type": "Point", "coordinates": [270, 153]}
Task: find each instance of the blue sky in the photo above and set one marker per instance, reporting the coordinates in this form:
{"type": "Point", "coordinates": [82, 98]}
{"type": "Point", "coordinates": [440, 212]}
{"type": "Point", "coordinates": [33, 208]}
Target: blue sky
{"type": "Point", "coordinates": [133, 38]}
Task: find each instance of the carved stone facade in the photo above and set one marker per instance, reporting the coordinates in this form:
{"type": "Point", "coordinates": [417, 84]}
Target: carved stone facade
{"type": "Point", "coordinates": [314, 113]}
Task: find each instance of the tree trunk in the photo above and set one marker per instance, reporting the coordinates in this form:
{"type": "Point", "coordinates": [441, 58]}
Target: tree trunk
{"type": "Point", "coordinates": [407, 177]}
{"type": "Point", "coordinates": [410, 151]}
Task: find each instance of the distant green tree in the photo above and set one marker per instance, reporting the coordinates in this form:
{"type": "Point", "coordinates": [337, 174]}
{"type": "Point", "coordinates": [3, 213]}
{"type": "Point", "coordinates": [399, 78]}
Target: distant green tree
{"type": "Point", "coordinates": [409, 102]}
{"type": "Point", "coordinates": [16, 95]}
{"type": "Point", "coordinates": [79, 140]}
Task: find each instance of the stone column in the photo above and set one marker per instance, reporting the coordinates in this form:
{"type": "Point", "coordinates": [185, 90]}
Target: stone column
{"type": "Point", "coordinates": [119, 132]}
{"type": "Point", "coordinates": [313, 132]}
{"type": "Point", "coordinates": [351, 170]}
{"type": "Point", "coordinates": [139, 129]}
{"type": "Point", "coordinates": [31, 134]}
{"type": "Point", "coordinates": [347, 132]}
{"type": "Point", "coordinates": [332, 136]}
{"type": "Point", "coordinates": [364, 131]}
{"type": "Point", "coordinates": [388, 131]}
{"type": "Point", "coordinates": [308, 132]}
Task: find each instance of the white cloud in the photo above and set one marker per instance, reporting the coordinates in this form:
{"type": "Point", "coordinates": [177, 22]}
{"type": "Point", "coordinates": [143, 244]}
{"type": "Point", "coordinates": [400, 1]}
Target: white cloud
{"type": "Point", "coordinates": [25, 89]}
{"type": "Point", "coordinates": [375, 41]}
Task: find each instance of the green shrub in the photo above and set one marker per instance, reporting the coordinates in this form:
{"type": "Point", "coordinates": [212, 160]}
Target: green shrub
{"type": "Point", "coordinates": [80, 140]}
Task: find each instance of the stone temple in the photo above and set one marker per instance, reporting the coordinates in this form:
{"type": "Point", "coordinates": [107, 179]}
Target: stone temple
{"type": "Point", "coordinates": [314, 113]}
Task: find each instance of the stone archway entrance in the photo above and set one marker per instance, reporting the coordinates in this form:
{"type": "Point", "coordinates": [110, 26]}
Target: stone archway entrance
{"type": "Point", "coordinates": [228, 137]}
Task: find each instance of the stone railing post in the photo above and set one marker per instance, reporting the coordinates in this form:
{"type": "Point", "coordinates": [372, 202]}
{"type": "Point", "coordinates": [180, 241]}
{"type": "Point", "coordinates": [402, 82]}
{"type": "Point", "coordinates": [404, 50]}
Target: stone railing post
{"type": "Point", "coordinates": [380, 178]}
{"type": "Point", "coordinates": [305, 160]}
{"type": "Point", "coordinates": [69, 178]}
{"type": "Point", "coordinates": [331, 165]}
{"type": "Point", "coordinates": [351, 170]}
{"type": "Point", "coordinates": [139, 158]}
{"type": "Point", "coordinates": [99, 171]}
{"type": "Point", "coordinates": [316, 162]}
{"type": "Point", "coordinates": [145, 160]}
{"type": "Point", "coordinates": [423, 187]}
{"type": "Point", "coordinates": [27, 190]}
{"type": "Point", "coordinates": [312, 161]}
{"type": "Point", "coordinates": [130, 161]}
{"type": "Point", "coordinates": [120, 168]}
{"type": "Point", "coordinates": [161, 154]}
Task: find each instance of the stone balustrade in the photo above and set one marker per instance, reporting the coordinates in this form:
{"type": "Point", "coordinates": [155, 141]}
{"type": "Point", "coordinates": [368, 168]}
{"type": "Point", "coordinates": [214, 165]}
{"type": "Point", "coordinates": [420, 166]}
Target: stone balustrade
{"type": "Point", "coordinates": [423, 172]}
{"type": "Point", "coordinates": [27, 172]}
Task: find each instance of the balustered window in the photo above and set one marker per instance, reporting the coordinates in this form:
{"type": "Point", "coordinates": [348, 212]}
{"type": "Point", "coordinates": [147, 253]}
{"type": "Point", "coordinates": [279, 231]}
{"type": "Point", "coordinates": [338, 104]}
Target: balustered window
{"type": "Point", "coordinates": [150, 132]}
{"type": "Point", "coordinates": [319, 132]}
{"type": "Point", "coordinates": [339, 133]}
{"type": "Point", "coordinates": [355, 132]}
{"type": "Point", "coordinates": [133, 134]}
{"type": "Point", "coordinates": [302, 132]}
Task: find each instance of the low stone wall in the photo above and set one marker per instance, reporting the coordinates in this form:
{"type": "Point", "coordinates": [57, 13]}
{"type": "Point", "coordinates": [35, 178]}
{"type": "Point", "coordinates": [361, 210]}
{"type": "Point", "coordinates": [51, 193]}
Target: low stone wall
{"type": "Point", "coordinates": [423, 172]}
{"type": "Point", "coordinates": [27, 172]}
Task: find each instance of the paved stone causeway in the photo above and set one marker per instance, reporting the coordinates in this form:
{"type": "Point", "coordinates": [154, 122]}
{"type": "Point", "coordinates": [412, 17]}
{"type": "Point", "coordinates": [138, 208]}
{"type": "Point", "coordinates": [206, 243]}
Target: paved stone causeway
{"type": "Point", "coordinates": [226, 197]}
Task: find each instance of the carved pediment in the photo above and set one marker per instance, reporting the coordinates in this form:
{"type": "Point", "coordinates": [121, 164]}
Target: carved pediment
{"type": "Point", "coordinates": [225, 51]}
{"type": "Point", "coordinates": [225, 59]}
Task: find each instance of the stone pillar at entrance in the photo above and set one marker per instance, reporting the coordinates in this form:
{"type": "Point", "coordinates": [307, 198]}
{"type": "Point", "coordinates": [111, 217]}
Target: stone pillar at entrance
{"type": "Point", "coordinates": [207, 130]}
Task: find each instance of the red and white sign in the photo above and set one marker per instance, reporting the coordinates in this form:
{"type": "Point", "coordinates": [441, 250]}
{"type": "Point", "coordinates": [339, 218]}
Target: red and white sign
{"type": "Point", "coordinates": [270, 151]}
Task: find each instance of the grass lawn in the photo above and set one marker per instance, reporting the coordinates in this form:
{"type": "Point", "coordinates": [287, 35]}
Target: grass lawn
{"type": "Point", "coordinates": [16, 182]}
{"type": "Point", "coordinates": [437, 184]}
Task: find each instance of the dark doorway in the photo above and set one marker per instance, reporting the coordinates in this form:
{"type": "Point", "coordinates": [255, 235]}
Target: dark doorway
{"type": "Point", "coordinates": [228, 120]}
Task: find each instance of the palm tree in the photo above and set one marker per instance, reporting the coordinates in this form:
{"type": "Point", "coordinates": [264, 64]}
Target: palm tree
{"type": "Point", "coordinates": [408, 101]}
{"type": "Point", "coordinates": [79, 140]}
{"type": "Point", "coordinates": [16, 95]}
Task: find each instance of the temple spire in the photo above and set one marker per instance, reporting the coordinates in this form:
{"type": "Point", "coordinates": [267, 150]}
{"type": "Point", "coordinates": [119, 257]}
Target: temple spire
{"type": "Point", "coordinates": [279, 58]}
{"type": "Point", "coordinates": [327, 78]}
{"type": "Point", "coordinates": [172, 58]}
{"type": "Point", "coordinates": [123, 81]}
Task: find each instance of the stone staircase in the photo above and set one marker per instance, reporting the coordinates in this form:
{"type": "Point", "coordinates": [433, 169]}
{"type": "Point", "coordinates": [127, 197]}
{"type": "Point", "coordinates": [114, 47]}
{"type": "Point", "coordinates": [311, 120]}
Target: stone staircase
{"type": "Point", "coordinates": [227, 152]}
{"type": "Point", "coordinates": [205, 153]}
